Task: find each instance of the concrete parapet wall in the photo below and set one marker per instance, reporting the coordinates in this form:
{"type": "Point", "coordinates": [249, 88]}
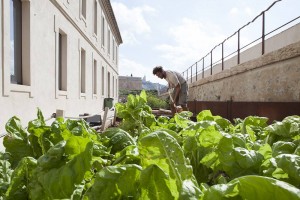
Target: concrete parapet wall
{"type": "Point", "coordinates": [273, 77]}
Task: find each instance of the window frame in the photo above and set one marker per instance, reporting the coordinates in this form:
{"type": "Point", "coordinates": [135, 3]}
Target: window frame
{"type": "Point", "coordinates": [102, 31]}
{"type": "Point", "coordinates": [27, 78]}
{"type": "Point", "coordinates": [95, 78]}
{"type": "Point", "coordinates": [108, 41]}
{"type": "Point", "coordinates": [83, 8]}
{"type": "Point", "coordinates": [113, 49]}
{"type": "Point", "coordinates": [62, 71]}
{"type": "Point", "coordinates": [116, 87]}
{"type": "Point", "coordinates": [16, 43]}
{"type": "Point", "coordinates": [108, 84]}
{"type": "Point", "coordinates": [82, 71]}
{"type": "Point", "coordinates": [95, 18]}
{"type": "Point", "coordinates": [103, 81]}
{"type": "Point", "coordinates": [113, 86]}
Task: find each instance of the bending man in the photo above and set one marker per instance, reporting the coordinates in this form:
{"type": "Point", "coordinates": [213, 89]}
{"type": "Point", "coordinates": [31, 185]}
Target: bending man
{"type": "Point", "coordinates": [175, 80]}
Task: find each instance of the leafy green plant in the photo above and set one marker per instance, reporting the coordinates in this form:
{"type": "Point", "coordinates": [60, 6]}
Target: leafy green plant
{"type": "Point", "coordinates": [252, 187]}
{"type": "Point", "coordinates": [149, 158]}
{"type": "Point", "coordinates": [5, 173]}
{"type": "Point", "coordinates": [135, 113]}
{"type": "Point", "coordinates": [155, 102]}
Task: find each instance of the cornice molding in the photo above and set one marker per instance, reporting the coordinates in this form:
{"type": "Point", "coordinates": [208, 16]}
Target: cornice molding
{"type": "Point", "coordinates": [112, 20]}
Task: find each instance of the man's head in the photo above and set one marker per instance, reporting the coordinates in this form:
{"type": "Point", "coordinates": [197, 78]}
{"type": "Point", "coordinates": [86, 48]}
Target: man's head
{"type": "Point", "coordinates": [159, 72]}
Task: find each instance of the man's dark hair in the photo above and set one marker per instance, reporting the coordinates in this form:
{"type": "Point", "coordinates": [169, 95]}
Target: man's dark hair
{"type": "Point", "coordinates": [157, 69]}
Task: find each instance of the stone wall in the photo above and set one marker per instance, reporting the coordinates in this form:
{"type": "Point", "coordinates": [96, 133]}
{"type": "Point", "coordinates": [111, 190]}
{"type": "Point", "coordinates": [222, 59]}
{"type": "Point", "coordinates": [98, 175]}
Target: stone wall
{"type": "Point", "coordinates": [273, 77]}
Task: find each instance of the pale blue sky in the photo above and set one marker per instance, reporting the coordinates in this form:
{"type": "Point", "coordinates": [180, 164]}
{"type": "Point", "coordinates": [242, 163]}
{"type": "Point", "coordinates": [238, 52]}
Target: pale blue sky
{"type": "Point", "coordinates": [176, 33]}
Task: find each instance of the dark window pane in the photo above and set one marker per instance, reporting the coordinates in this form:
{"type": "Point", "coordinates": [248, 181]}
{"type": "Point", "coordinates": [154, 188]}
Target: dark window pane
{"type": "Point", "coordinates": [60, 62]}
{"type": "Point", "coordinates": [16, 41]}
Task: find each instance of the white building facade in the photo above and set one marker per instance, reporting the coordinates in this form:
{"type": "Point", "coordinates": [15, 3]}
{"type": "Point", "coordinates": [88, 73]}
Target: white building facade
{"type": "Point", "coordinates": [57, 55]}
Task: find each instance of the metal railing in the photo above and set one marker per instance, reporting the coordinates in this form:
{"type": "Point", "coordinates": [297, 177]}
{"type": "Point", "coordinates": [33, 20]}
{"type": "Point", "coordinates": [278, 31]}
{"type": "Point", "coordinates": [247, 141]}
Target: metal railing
{"type": "Point", "coordinates": [200, 68]}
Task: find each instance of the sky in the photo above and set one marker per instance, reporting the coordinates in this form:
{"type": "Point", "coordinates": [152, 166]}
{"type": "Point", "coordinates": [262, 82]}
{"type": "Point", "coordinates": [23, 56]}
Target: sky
{"type": "Point", "coordinates": [175, 33]}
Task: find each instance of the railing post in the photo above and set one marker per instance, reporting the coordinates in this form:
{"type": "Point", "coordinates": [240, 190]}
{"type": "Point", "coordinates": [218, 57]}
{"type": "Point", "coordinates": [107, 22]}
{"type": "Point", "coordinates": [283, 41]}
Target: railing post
{"type": "Point", "coordinates": [222, 56]}
{"type": "Point", "coordinates": [238, 56]}
{"type": "Point", "coordinates": [191, 74]}
{"type": "Point", "coordinates": [263, 34]}
{"type": "Point", "coordinates": [187, 74]}
{"type": "Point", "coordinates": [211, 62]}
{"type": "Point", "coordinates": [196, 71]}
{"type": "Point", "coordinates": [203, 68]}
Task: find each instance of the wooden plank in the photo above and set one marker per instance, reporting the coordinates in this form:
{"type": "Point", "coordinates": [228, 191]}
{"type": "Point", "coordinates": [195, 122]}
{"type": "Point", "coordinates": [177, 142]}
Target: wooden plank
{"type": "Point", "coordinates": [104, 119]}
{"type": "Point", "coordinates": [165, 111]}
{"type": "Point", "coordinates": [115, 117]}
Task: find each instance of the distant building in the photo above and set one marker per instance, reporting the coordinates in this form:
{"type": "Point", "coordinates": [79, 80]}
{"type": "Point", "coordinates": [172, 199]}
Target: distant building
{"type": "Point", "coordinates": [130, 83]}
{"type": "Point", "coordinates": [57, 54]}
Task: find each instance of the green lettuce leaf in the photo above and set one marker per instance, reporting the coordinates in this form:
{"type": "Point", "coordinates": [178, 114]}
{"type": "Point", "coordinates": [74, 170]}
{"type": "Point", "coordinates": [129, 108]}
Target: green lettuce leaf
{"type": "Point", "coordinates": [161, 149]}
{"type": "Point", "coordinates": [62, 169]}
{"type": "Point", "coordinates": [117, 139]}
{"type": "Point", "coordinates": [210, 137]}
{"type": "Point", "coordinates": [155, 184]}
{"type": "Point", "coordinates": [252, 125]}
{"type": "Point", "coordinates": [252, 188]}
{"type": "Point", "coordinates": [287, 128]}
{"type": "Point", "coordinates": [205, 115]}
{"type": "Point", "coordinates": [183, 119]}
{"type": "Point", "coordinates": [16, 142]}
{"type": "Point", "coordinates": [282, 147]}
{"type": "Point", "coordinates": [18, 188]}
{"type": "Point", "coordinates": [5, 174]}
{"type": "Point", "coordinates": [116, 182]}
{"type": "Point", "coordinates": [290, 164]}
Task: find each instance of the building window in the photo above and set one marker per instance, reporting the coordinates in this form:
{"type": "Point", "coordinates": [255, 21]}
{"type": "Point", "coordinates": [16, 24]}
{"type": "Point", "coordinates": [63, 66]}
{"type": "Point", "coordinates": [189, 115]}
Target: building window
{"type": "Point", "coordinates": [95, 78]}
{"type": "Point", "coordinates": [83, 8]}
{"type": "Point", "coordinates": [108, 41]}
{"type": "Point", "coordinates": [82, 70]}
{"type": "Point", "coordinates": [102, 81]}
{"type": "Point", "coordinates": [102, 30]}
{"type": "Point", "coordinates": [62, 61]}
{"type": "Point", "coordinates": [16, 42]}
{"type": "Point", "coordinates": [95, 18]}
{"type": "Point", "coordinates": [113, 49]}
{"type": "Point", "coordinates": [108, 84]}
{"type": "Point", "coordinates": [116, 87]}
{"type": "Point", "coordinates": [116, 54]}
{"type": "Point", "coordinates": [113, 86]}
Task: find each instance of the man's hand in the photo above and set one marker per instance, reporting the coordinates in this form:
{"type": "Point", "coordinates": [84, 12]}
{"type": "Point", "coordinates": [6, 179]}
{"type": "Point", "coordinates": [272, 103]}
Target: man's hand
{"type": "Point", "coordinates": [174, 105]}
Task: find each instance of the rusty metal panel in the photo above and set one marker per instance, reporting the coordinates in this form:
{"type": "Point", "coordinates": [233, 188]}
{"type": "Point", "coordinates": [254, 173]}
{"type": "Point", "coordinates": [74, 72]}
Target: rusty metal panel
{"type": "Point", "coordinates": [216, 107]}
{"type": "Point", "coordinates": [272, 110]}
{"type": "Point", "coordinates": [231, 110]}
{"type": "Point", "coordinates": [243, 109]}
